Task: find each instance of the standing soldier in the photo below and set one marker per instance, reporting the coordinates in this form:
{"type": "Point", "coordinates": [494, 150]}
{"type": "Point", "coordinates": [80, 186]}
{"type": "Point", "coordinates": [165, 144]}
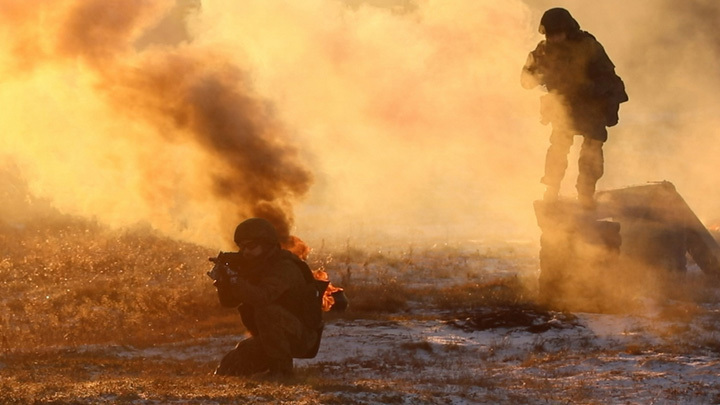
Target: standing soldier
{"type": "Point", "coordinates": [583, 98]}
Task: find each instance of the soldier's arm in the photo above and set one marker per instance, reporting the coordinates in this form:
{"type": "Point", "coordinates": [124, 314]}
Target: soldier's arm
{"type": "Point", "coordinates": [226, 294]}
{"type": "Point", "coordinates": [531, 77]}
{"type": "Point", "coordinates": [269, 288]}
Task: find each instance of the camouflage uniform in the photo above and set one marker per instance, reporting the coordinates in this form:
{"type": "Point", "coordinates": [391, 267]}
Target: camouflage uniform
{"type": "Point", "coordinates": [275, 298]}
{"type": "Point", "coordinates": [584, 95]}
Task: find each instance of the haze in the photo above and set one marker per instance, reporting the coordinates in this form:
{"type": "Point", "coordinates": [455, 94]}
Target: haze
{"type": "Point", "coordinates": [339, 119]}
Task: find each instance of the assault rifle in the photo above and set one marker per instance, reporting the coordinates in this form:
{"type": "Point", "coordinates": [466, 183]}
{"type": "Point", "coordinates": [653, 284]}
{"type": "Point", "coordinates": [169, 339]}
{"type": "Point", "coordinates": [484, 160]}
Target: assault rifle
{"type": "Point", "coordinates": [227, 265]}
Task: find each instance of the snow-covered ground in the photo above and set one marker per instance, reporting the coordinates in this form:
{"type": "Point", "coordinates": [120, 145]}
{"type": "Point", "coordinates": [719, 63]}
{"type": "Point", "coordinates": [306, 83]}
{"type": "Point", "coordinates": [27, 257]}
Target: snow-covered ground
{"type": "Point", "coordinates": [596, 358]}
{"type": "Point", "coordinates": [665, 351]}
{"type": "Point", "coordinates": [571, 358]}
{"type": "Point", "coordinates": [578, 358]}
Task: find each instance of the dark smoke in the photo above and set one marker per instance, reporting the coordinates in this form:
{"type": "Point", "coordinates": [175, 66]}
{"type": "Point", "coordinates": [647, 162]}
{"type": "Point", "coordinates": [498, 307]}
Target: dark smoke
{"type": "Point", "coordinates": [191, 94]}
{"type": "Point", "coordinates": [253, 165]}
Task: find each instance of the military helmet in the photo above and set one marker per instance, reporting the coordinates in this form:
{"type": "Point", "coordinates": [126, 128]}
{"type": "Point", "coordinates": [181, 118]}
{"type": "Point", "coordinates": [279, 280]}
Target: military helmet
{"type": "Point", "coordinates": [256, 229]}
{"type": "Point", "coordinates": [557, 20]}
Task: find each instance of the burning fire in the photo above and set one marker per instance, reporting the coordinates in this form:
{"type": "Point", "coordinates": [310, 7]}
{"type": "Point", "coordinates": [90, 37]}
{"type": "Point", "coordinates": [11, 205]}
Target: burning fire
{"type": "Point", "coordinates": [297, 247]}
{"type": "Point", "coordinates": [300, 249]}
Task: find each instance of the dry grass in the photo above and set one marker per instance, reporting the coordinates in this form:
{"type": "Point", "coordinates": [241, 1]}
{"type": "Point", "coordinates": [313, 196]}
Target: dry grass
{"type": "Point", "coordinates": [72, 377]}
{"type": "Point", "coordinates": [69, 281]}
{"type": "Point", "coordinates": [72, 287]}
{"type": "Point", "coordinates": [72, 282]}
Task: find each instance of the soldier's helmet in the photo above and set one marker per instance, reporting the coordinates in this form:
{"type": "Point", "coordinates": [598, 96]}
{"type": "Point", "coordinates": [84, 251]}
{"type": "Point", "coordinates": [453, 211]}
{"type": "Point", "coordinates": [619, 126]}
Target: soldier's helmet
{"type": "Point", "coordinates": [557, 20]}
{"type": "Point", "coordinates": [256, 229]}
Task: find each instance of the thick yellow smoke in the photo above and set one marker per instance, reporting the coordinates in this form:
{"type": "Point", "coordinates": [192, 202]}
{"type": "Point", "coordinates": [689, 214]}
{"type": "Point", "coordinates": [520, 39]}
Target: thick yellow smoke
{"type": "Point", "coordinates": [172, 135]}
{"type": "Point", "coordinates": [415, 124]}
{"type": "Point", "coordinates": [373, 121]}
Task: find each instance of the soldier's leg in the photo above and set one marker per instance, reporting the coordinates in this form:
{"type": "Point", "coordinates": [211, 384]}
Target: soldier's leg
{"type": "Point", "coordinates": [556, 162]}
{"type": "Point", "coordinates": [590, 170]}
{"type": "Point", "coordinates": [247, 358]}
{"type": "Point", "coordinates": [279, 332]}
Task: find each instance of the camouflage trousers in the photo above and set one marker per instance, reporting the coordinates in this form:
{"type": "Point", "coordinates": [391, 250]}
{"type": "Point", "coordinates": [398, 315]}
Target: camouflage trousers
{"type": "Point", "coordinates": [280, 337]}
{"type": "Point", "coordinates": [590, 162]}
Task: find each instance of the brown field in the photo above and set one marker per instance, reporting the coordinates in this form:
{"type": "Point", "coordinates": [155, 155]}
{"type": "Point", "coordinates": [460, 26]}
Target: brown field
{"type": "Point", "coordinates": [76, 292]}
{"type": "Point", "coordinates": [93, 315]}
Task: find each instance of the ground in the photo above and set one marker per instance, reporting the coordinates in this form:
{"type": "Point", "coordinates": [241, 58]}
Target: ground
{"type": "Point", "coordinates": [425, 326]}
{"type": "Point", "coordinates": [410, 359]}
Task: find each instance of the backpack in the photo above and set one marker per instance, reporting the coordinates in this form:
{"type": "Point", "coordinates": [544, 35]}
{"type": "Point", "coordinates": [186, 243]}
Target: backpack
{"type": "Point", "coordinates": [311, 312]}
{"type": "Point", "coordinates": [312, 304]}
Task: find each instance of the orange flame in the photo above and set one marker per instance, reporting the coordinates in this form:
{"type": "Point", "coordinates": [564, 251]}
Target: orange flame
{"type": "Point", "coordinates": [297, 247]}
{"type": "Point", "coordinates": [300, 249]}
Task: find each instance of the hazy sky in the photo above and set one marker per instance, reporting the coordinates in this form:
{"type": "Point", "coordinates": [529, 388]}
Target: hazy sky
{"type": "Point", "coordinates": [345, 122]}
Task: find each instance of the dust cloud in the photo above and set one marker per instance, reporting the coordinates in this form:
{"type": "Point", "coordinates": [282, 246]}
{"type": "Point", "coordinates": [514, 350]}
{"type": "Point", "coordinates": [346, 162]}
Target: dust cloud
{"type": "Point", "coordinates": [127, 131]}
{"type": "Point", "coordinates": [341, 119]}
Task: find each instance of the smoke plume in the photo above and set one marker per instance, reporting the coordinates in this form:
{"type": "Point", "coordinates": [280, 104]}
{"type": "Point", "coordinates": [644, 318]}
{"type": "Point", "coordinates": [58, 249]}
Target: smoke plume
{"type": "Point", "coordinates": [406, 116]}
{"type": "Point", "coordinates": [181, 96]}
